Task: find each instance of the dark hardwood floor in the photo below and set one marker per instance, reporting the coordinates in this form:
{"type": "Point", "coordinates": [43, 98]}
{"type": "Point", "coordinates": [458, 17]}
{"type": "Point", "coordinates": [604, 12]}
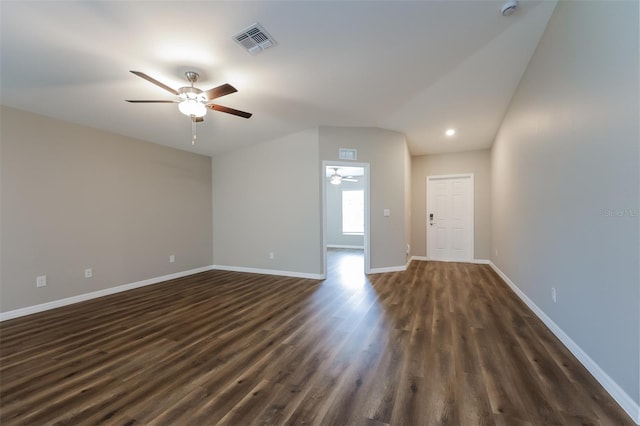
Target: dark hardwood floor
{"type": "Point", "coordinates": [439, 344]}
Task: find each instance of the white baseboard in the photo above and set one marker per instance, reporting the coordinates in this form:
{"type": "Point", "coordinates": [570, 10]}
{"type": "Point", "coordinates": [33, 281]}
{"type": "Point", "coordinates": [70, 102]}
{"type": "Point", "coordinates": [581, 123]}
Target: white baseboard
{"type": "Point", "coordinates": [88, 296]}
{"type": "Point", "coordinates": [631, 407]}
{"type": "Point", "coordinates": [387, 269]}
{"type": "Point", "coordinates": [342, 246]}
{"type": "Point", "coordinates": [477, 261]}
{"type": "Point", "coordinates": [269, 272]}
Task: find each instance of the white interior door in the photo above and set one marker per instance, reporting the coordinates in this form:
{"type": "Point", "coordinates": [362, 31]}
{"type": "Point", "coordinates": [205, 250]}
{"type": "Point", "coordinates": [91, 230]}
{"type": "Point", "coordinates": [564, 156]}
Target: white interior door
{"type": "Point", "coordinates": [450, 218]}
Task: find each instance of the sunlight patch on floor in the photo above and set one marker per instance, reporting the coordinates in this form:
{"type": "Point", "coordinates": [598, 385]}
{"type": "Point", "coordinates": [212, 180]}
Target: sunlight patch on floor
{"type": "Point", "coordinates": [347, 268]}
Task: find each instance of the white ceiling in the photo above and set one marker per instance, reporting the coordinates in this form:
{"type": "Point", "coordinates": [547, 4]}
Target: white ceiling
{"type": "Point", "coordinates": [417, 67]}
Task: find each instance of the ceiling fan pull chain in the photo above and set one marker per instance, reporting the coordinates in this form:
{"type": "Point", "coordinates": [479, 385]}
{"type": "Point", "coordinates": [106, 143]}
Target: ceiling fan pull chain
{"type": "Point", "coordinates": [193, 131]}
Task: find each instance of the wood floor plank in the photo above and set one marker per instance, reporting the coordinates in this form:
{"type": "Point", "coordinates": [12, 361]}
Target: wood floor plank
{"type": "Point", "coordinates": [438, 344]}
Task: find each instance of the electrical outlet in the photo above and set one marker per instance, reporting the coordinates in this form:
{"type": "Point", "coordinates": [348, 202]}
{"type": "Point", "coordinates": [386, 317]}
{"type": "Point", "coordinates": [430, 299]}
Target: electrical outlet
{"type": "Point", "coordinates": [41, 281]}
{"type": "Point", "coordinates": [172, 258]}
{"type": "Point", "coordinates": [553, 294]}
{"type": "Point", "coordinates": [88, 273]}
{"type": "Point", "coordinates": [272, 255]}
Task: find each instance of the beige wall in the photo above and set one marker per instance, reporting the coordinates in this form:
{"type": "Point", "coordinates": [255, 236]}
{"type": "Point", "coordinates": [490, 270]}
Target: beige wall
{"type": "Point", "coordinates": [75, 197]}
{"type": "Point", "coordinates": [565, 182]}
{"type": "Point", "coordinates": [267, 199]}
{"type": "Point", "coordinates": [384, 150]}
{"type": "Point", "coordinates": [277, 207]}
{"type": "Point", "coordinates": [476, 162]}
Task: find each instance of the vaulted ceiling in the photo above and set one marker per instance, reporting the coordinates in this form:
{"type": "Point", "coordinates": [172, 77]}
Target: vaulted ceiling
{"type": "Point", "coordinates": [417, 67]}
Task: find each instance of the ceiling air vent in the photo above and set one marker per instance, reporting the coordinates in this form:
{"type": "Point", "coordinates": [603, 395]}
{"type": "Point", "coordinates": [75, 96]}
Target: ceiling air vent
{"type": "Point", "coordinates": [255, 39]}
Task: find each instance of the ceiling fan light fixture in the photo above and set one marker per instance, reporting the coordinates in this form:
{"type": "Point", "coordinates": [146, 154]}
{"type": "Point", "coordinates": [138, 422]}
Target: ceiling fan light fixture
{"type": "Point", "coordinates": [335, 179]}
{"type": "Point", "coordinates": [192, 108]}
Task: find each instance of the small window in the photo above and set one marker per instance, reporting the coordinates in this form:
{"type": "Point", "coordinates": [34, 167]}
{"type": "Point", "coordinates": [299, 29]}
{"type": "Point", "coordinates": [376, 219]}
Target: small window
{"type": "Point", "coordinates": [353, 212]}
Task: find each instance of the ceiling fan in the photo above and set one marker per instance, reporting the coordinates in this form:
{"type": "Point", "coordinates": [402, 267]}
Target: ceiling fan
{"type": "Point", "coordinates": [192, 101]}
{"type": "Point", "coordinates": [336, 178]}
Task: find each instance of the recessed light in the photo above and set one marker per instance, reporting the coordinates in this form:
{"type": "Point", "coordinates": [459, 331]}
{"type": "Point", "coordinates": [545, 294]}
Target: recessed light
{"type": "Point", "coordinates": [450, 132]}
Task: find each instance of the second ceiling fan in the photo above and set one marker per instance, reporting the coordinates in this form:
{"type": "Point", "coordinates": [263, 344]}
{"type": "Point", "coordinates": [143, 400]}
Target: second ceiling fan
{"type": "Point", "coordinates": [336, 178]}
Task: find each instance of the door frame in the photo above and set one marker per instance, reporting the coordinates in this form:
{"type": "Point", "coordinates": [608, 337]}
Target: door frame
{"type": "Point", "coordinates": [367, 236]}
{"type": "Point", "coordinates": [471, 212]}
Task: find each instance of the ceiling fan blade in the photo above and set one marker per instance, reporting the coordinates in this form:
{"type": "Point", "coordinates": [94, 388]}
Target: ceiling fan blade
{"type": "Point", "coordinates": [156, 82]}
{"type": "Point", "coordinates": [349, 180]}
{"type": "Point", "coordinates": [222, 90]}
{"type": "Point", "coordinates": [229, 110]}
{"type": "Point", "coordinates": [150, 101]}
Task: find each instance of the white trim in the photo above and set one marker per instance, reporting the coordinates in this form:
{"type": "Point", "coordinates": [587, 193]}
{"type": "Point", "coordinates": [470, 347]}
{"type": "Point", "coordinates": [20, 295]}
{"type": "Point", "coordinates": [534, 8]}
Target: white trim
{"type": "Point", "coordinates": [453, 176]}
{"type": "Point", "coordinates": [475, 261]}
{"type": "Point", "coordinates": [387, 269]}
{"type": "Point", "coordinates": [343, 246]}
{"type": "Point", "coordinates": [631, 407]}
{"type": "Point", "coordinates": [95, 294]}
{"type": "Point", "coordinates": [472, 212]}
{"type": "Point", "coordinates": [269, 272]}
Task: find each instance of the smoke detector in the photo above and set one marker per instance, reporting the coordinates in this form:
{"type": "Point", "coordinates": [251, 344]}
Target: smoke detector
{"type": "Point", "coordinates": [255, 39]}
{"type": "Point", "coordinates": [509, 7]}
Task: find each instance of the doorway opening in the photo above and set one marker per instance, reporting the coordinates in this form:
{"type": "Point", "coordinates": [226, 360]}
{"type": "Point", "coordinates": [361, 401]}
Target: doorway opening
{"type": "Point", "coordinates": [345, 215]}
